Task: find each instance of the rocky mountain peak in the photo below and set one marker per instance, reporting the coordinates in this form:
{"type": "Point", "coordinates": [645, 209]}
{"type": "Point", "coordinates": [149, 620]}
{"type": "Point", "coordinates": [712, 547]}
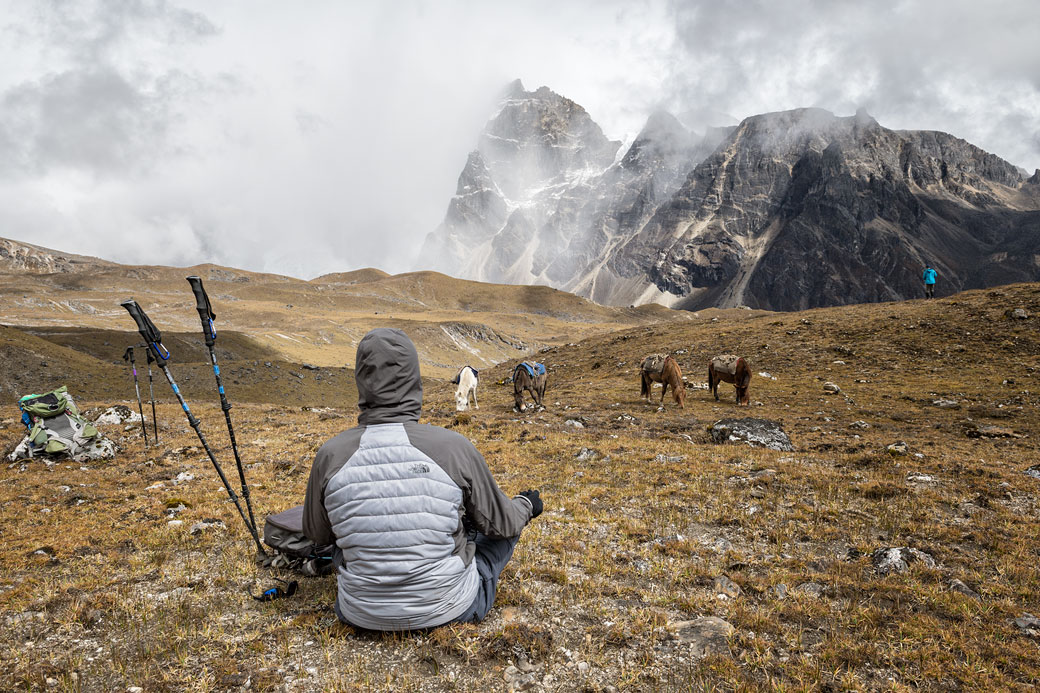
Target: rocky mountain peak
{"type": "Point", "coordinates": [539, 137]}
{"type": "Point", "coordinates": [787, 210]}
{"type": "Point", "coordinates": [663, 136]}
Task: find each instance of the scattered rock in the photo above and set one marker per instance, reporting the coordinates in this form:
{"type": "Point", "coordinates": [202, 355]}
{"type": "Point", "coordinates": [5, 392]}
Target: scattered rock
{"type": "Point", "coordinates": [832, 388]}
{"type": "Point", "coordinates": [946, 403]}
{"type": "Point", "coordinates": [517, 680]}
{"type": "Point", "coordinates": [209, 522]}
{"type": "Point", "coordinates": [811, 589]}
{"type": "Point", "coordinates": [898, 449]}
{"type": "Point", "coordinates": [706, 635]}
{"type": "Point", "coordinates": [118, 414]}
{"type": "Point", "coordinates": [574, 422]}
{"type": "Point", "coordinates": [979, 430]}
{"type": "Point", "coordinates": [1029, 625]}
{"type": "Point", "coordinates": [754, 432]}
{"type": "Point", "coordinates": [763, 477]}
{"type": "Point", "coordinates": [309, 366]}
{"type": "Point", "coordinates": [669, 458]}
{"type": "Point", "coordinates": [920, 479]}
{"type": "Point", "coordinates": [726, 588]}
{"type": "Point", "coordinates": [898, 559]}
{"type": "Point", "coordinates": [1016, 314]}
{"type": "Point", "coordinates": [585, 454]}
{"type": "Point", "coordinates": [763, 374]}
{"type": "Point", "coordinates": [859, 425]}
{"type": "Point", "coordinates": [184, 477]}
{"type": "Point", "coordinates": [777, 591]}
{"type": "Point", "coordinates": [958, 586]}
{"type": "Point", "coordinates": [1034, 471]}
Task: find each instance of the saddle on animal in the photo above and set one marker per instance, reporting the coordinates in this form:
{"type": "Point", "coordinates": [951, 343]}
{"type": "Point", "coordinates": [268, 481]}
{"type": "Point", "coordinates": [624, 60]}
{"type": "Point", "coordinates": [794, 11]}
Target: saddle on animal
{"type": "Point", "coordinates": [725, 363]}
{"type": "Point", "coordinates": [533, 368]}
{"type": "Point", "coordinates": [654, 363]}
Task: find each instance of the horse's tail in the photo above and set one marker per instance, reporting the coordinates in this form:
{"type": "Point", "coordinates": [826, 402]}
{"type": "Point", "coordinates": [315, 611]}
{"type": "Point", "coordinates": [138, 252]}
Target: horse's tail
{"type": "Point", "coordinates": [644, 383]}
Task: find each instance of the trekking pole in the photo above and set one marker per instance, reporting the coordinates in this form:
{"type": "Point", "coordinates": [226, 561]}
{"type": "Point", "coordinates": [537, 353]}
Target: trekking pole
{"type": "Point", "coordinates": [151, 394]}
{"type": "Point", "coordinates": [128, 355]}
{"type": "Point", "coordinates": [153, 338]}
{"type": "Point", "coordinates": [206, 315]}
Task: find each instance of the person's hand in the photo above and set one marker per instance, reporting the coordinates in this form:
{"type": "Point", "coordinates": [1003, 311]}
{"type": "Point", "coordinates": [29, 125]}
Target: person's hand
{"type": "Point", "coordinates": [536, 502]}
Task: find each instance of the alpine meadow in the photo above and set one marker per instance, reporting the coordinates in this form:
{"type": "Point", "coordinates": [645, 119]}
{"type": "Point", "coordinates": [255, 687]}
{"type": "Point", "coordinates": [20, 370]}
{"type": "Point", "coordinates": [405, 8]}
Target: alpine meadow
{"type": "Point", "coordinates": [334, 356]}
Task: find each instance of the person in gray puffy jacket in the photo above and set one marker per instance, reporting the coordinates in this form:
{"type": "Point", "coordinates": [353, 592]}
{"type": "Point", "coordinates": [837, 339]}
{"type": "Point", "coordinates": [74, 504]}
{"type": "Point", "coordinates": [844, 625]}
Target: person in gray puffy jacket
{"type": "Point", "coordinates": [421, 528]}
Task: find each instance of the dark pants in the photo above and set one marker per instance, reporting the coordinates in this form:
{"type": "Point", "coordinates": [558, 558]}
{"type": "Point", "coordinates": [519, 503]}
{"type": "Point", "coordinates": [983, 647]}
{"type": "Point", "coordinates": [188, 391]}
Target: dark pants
{"type": "Point", "coordinates": [491, 557]}
{"type": "Point", "coordinates": [929, 290]}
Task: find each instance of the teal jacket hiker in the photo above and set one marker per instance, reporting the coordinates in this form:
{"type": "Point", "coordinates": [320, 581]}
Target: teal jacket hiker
{"type": "Point", "coordinates": [929, 275]}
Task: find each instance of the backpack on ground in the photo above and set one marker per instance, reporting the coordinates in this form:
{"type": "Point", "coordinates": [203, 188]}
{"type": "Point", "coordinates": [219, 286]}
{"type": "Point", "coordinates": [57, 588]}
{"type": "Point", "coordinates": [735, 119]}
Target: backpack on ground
{"type": "Point", "coordinates": [56, 428]}
{"type": "Point", "coordinates": [283, 532]}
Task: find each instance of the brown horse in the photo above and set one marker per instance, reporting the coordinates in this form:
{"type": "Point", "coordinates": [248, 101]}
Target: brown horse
{"type": "Point", "coordinates": [731, 369]}
{"type": "Point", "coordinates": [535, 384]}
{"type": "Point", "coordinates": [667, 372]}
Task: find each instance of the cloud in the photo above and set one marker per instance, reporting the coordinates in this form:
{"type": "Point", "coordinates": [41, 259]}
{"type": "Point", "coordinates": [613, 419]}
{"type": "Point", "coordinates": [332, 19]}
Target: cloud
{"type": "Point", "coordinates": [964, 67]}
{"type": "Point", "coordinates": [326, 136]}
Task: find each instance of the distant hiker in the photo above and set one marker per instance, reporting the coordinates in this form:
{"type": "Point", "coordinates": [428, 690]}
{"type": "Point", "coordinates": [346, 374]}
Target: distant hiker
{"type": "Point", "coordinates": [421, 528]}
{"type": "Point", "coordinates": [929, 281]}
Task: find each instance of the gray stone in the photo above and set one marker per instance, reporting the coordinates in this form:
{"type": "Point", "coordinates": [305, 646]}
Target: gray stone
{"type": "Point", "coordinates": [979, 430]}
{"type": "Point", "coordinates": [116, 415]}
{"type": "Point", "coordinates": [898, 559]}
{"type": "Point", "coordinates": [585, 454]}
{"type": "Point", "coordinates": [751, 431]}
{"type": "Point", "coordinates": [724, 587]}
{"type": "Point", "coordinates": [958, 586]}
{"type": "Point", "coordinates": [1034, 471]}
{"type": "Point", "coordinates": [1016, 314]}
{"type": "Point", "coordinates": [574, 422]}
{"type": "Point", "coordinates": [811, 589]}
{"type": "Point", "coordinates": [706, 635]}
{"type": "Point", "coordinates": [898, 449]}
{"type": "Point", "coordinates": [778, 591]}
{"type": "Point", "coordinates": [947, 403]}
{"type": "Point", "coordinates": [208, 523]}
{"type": "Point", "coordinates": [670, 458]}
{"type": "Point", "coordinates": [1029, 625]}
{"type": "Point", "coordinates": [832, 388]}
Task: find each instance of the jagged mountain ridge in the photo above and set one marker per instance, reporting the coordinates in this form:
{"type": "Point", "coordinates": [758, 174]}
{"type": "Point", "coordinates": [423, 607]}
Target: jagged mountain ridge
{"type": "Point", "coordinates": [786, 211]}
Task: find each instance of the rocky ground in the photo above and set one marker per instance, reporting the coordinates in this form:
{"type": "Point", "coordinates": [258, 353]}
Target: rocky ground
{"type": "Point", "coordinates": [894, 547]}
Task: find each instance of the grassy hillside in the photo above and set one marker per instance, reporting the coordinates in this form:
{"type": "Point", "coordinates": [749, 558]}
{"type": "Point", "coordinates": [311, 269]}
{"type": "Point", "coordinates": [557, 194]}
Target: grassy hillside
{"type": "Point", "coordinates": [453, 322]}
{"type": "Point", "coordinates": [647, 523]}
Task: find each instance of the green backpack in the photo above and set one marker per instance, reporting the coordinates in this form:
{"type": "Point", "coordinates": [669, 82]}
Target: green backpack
{"type": "Point", "coordinates": [55, 425]}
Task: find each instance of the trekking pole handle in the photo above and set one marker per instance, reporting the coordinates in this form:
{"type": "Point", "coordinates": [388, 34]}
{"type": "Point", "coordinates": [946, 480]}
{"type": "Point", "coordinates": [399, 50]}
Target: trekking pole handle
{"type": "Point", "coordinates": [202, 305]}
{"type": "Point", "coordinates": [151, 334]}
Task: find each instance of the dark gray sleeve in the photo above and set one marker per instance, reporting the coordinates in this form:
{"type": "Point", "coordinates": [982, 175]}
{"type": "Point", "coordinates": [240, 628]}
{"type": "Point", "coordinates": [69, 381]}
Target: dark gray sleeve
{"type": "Point", "coordinates": [489, 510]}
{"type": "Point", "coordinates": [329, 460]}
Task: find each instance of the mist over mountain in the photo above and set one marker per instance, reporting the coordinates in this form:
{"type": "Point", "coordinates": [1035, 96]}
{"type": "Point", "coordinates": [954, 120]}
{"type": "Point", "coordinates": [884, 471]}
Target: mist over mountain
{"type": "Point", "coordinates": [785, 211]}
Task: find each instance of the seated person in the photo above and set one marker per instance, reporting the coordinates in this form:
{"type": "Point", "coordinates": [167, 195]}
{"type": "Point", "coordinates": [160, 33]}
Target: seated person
{"type": "Point", "coordinates": [421, 528]}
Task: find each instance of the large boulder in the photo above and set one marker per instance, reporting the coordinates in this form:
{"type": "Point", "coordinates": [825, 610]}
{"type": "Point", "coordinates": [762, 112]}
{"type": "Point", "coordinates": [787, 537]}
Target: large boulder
{"type": "Point", "coordinates": [761, 433]}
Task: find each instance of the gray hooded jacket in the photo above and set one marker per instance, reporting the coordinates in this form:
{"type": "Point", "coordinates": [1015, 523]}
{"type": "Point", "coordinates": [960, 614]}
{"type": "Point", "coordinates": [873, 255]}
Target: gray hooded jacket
{"type": "Point", "coordinates": [397, 498]}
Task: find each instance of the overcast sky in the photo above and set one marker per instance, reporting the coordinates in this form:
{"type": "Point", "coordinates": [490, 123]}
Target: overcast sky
{"type": "Point", "coordinates": [304, 138]}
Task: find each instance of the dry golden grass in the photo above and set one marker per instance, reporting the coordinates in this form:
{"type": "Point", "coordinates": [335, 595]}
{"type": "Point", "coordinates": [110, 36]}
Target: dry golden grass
{"type": "Point", "coordinates": [632, 539]}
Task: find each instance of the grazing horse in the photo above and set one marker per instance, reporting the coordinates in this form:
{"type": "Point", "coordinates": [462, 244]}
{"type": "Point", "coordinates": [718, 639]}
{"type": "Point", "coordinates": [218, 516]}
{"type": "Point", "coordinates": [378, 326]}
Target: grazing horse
{"type": "Point", "coordinates": [666, 371]}
{"type": "Point", "coordinates": [732, 369]}
{"type": "Point", "coordinates": [466, 379]}
{"type": "Point", "coordinates": [531, 377]}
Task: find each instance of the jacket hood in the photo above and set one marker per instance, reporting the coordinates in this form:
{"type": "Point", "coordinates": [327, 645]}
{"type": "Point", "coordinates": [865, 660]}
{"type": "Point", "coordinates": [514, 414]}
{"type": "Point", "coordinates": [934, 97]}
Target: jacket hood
{"type": "Point", "coordinates": [387, 373]}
